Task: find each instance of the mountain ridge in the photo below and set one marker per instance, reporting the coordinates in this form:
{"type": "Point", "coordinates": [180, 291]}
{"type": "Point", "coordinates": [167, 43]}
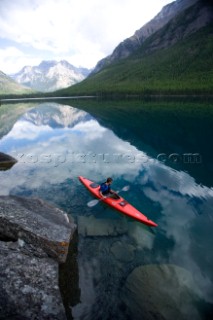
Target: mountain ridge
{"type": "Point", "coordinates": [176, 59]}
{"type": "Point", "coordinates": [50, 75]}
{"type": "Point", "coordinates": [9, 86]}
{"type": "Point", "coordinates": [180, 27]}
{"type": "Point", "coordinates": [131, 44]}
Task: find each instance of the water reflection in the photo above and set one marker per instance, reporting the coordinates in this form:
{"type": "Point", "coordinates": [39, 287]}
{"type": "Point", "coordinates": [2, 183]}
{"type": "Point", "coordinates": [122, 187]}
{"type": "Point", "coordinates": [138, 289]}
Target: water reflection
{"type": "Point", "coordinates": [73, 142]}
{"type": "Point", "coordinates": [54, 144]}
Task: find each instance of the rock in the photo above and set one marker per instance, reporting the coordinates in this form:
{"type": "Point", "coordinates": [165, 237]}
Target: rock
{"type": "Point", "coordinates": [37, 223]}
{"type": "Point", "coordinates": [141, 235]}
{"type": "Point", "coordinates": [34, 237]}
{"type": "Point", "coordinates": [92, 227]}
{"type": "Point", "coordinates": [6, 161]}
{"type": "Point", "coordinates": [29, 285]}
{"type": "Point", "coordinates": [122, 251]}
{"type": "Point", "coordinates": [161, 292]}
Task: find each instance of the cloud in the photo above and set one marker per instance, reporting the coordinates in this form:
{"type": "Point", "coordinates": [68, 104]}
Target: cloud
{"type": "Point", "coordinates": [81, 31]}
{"type": "Point", "coordinates": [13, 59]}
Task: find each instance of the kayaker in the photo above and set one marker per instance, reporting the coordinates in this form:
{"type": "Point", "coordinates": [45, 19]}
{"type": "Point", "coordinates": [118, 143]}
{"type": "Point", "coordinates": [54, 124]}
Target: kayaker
{"type": "Point", "coordinates": [105, 188]}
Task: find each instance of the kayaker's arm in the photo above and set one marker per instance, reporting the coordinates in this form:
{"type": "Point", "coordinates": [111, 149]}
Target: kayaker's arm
{"type": "Point", "coordinates": [103, 196]}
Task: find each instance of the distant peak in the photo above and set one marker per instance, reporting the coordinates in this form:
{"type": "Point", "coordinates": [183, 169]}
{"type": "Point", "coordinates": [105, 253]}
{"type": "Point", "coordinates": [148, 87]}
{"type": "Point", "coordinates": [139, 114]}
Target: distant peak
{"type": "Point", "coordinates": [47, 64]}
{"type": "Point", "coordinates": [50, 75]}
{"type": "Point", "coordinates": [65, 63]}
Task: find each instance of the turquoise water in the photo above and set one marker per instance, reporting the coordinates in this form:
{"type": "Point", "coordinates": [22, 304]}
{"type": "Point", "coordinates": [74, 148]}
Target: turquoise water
{"type": "Point", "coordinates": [126, 270]}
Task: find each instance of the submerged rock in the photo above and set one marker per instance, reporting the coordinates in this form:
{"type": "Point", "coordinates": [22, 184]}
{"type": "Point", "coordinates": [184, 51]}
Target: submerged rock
{"type": "Point", "coordinates": [92, 227]}
{"type": "Point", "coordinates": [161, 292]}
{"type": "Point", "coordinates": [34, 237]}
{"type": "Point", "coordinates": [122, 251]}
{"type": "Point", "coordinates": [6, 161]}
{"type": "Point", "coordinates": [141, 235]}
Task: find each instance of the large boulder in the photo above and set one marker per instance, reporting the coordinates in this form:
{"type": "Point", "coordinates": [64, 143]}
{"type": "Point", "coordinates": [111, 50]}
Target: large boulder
{"type": "Point", "coordinates": [37, 223]}
{"type": "Point", "coordinates": [161, 292]}
{"type": "Point", "coordinates": [29, 284]}
{"type": "Point", "coordinates": [35, 241]}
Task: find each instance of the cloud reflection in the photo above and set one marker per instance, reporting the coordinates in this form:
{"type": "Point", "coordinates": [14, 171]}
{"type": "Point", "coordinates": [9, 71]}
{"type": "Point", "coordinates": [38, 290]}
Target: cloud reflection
{"type": "Point", "coordinates": [177, 221]}
{"type": "Point", "coordinates": [50, 155]}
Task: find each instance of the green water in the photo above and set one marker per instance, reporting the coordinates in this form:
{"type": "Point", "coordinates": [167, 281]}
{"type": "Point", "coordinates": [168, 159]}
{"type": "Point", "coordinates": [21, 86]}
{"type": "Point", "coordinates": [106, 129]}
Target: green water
{"type": "Point", "coordinates": [163, 151]}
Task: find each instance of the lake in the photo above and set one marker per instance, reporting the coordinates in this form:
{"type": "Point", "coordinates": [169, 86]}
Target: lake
{"type": "Point", "coordinates": [162, 150]}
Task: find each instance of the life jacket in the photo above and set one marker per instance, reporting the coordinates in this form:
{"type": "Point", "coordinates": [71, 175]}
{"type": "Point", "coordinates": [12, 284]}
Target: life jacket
{"type": "Point", "coordinates": [104, 188]}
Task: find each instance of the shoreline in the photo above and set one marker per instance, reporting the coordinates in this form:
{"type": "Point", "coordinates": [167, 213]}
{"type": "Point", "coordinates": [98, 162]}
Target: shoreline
{"type": "Point", "coordinates": [115, 96]}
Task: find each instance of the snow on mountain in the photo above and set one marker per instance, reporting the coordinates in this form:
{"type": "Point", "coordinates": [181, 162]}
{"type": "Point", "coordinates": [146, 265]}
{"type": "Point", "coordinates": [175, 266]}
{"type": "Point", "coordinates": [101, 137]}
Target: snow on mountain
{"type": "Point", "coordinates": [50, 75]}
{"type": "Point", "coordinates": [55, 116]}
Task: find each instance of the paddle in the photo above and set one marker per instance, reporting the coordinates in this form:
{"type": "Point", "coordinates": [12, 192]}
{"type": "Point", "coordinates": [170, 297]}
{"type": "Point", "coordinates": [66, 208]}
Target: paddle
{"type": "Point", "coordinates": [93, 203]}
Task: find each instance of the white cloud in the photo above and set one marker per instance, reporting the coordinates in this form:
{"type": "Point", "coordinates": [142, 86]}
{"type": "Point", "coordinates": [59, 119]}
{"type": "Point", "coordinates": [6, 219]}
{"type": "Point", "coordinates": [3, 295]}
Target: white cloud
{"type": "Point", "coordinates": [12, 60]}
{"type": "Point", "coordinates": [83, 31]}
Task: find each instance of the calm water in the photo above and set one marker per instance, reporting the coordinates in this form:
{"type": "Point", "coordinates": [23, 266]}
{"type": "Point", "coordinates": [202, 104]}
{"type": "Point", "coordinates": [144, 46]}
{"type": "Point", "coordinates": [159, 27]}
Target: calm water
{"type": "Point", "coordinates": [126, 270]}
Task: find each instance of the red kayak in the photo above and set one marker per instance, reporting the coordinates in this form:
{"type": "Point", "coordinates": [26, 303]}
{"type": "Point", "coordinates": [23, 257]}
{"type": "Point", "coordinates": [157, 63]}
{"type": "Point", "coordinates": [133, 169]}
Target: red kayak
{"type": "Point", "coordinates": [119, 204]}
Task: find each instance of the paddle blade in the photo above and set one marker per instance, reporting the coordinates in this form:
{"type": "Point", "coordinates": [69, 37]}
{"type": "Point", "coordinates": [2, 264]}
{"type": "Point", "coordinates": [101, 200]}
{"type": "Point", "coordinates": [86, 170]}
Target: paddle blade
{"type": "Point", "coordinates": [126, 188]}
{"type": "Point", "coordinates": [92, 203]}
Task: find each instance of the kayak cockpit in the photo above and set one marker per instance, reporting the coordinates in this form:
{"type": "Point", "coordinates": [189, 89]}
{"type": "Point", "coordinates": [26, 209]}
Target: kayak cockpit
{"type": "Point", "coordinates": [115, 196]}
{"type": "Point", "coordinates": [94, 185]}
{"type": "Point", "coordinates": [123, 203]}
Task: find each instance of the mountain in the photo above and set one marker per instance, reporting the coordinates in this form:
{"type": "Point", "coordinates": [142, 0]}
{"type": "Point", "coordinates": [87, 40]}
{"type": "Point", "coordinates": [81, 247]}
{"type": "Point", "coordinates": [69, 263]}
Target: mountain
{"type": "Point", "coordinates": [50, 75]}
{"type": "Point", "coordinates": [9, 86]}
{"type": "Point", "coordinates": [176, 58]}
{"type": "Point", "coordinates": [128, 46]}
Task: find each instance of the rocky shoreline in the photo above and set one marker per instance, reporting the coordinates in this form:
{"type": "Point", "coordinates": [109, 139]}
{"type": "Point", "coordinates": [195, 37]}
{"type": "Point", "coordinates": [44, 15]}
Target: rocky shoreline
{"type": "Point", "coordinates": [37, 252]}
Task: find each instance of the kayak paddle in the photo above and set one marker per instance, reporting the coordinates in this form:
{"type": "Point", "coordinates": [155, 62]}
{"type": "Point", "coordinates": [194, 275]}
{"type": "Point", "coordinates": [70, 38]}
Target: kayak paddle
{"type": "Point", "coordinates": [93, 203]}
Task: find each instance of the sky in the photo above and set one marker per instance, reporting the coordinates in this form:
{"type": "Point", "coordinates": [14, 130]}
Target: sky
{"type": "Point", "coordinates": [79, 31]}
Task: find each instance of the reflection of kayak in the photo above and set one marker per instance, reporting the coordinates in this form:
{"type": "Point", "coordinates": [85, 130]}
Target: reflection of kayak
{"type": "Point", "coordinates": [119, 204]}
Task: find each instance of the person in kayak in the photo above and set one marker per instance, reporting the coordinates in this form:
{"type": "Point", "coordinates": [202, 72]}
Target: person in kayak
{"type": "Point", "coordinates": [105, 189]}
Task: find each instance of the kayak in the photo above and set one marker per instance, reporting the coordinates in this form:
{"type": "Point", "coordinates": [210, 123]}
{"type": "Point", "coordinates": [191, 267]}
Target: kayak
{"type": "Point", "coordinates": [119, 204]}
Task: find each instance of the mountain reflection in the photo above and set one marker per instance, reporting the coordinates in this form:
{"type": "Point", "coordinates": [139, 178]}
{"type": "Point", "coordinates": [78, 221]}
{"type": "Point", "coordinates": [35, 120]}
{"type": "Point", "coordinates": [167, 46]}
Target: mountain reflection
{"type": "Point", "coordinates": [55, 116]}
